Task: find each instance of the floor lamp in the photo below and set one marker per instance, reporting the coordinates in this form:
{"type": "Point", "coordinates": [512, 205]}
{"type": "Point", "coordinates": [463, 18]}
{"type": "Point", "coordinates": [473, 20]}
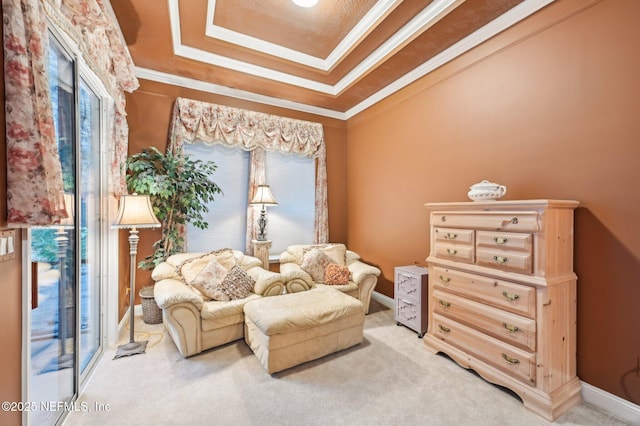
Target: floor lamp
{"type": "Point", "coordinates": [135, 212]}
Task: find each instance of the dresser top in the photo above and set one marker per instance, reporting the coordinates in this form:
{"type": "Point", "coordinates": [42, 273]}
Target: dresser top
{"type": "Point", "coordinates": [503, 205]}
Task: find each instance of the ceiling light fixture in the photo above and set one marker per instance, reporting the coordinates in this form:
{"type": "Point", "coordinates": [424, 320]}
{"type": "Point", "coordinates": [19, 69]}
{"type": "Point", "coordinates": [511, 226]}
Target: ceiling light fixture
{"type": "Point", "coordinates": [305, 3]}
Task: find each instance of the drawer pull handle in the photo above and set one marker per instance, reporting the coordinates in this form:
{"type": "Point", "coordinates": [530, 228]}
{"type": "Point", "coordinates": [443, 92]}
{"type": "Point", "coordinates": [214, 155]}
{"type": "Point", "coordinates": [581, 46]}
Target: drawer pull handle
{"type": "Point", "coordinates": [450, 236]}
{"type": "Point", "coordinates": [407, 302]}
{"type": "Point", "coordinates": [444, 279]}
{"type": "Point", "coordinates": [445, 304]}
{"type": "Point", "coordinates": [510, 296]}
{"type": "Point", "coordinates": [511, 361]}
{"type": "Point", "coordinates": [500, 260]}
{"type": "Point", "coordinates": [443, 218]}
{"type": "Point", "coordinates": [513, 220]}
{"type": "Point", "coordinates": [500, 240]}
{"type": "Point", "coordinates": [452, 251]}
{"type": "Point", "coordinates": [510, 327]}
{"type": "Point", "coordinates": [444, 329]}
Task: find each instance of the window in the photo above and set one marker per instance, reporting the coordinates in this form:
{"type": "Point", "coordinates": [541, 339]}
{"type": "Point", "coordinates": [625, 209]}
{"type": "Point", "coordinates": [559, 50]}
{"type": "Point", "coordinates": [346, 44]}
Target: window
{"type": "Point", "coordinates": [292, 182]}
{"type": "Point", "coordinates": [227, 215]}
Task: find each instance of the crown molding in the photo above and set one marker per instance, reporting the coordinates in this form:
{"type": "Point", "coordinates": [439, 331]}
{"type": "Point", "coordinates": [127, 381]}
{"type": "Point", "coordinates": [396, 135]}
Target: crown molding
{"type": "Point", "coordinates": [381, 9]}
{"type": "Point", "coordinates": [496, 26]}
{"type": "Point", "coordinates": [203, 86]}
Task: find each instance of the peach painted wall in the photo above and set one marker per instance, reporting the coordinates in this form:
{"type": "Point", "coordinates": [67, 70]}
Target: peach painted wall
{"type": "Point", "coordinates": [550, 108]}
{"type": "Point", "coordinates": [149, 111]}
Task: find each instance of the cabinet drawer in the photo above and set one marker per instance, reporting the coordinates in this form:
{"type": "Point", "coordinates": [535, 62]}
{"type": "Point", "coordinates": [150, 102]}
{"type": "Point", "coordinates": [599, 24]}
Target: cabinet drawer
{"type": "Point", "coordinates": [408, 285]}
{"type": "Point", "coordinates": [456, 252]}
{"type": "Point", "coordinates": [516, 362]}
{"type": "Point", "coordinates": [515, 221]}
{"type": "Point", "coordinates": [505, 260]}
{"type": "Point", "coordinates": [513, 329]}
{"type": "Point", "coordinates": [454, 235]}
{"type": "Point", "coordinates": [512, 297]}
{"type": "Point", "coordinates": [504, 241]}
{"type": "Point", "coordinates": [408, 313]}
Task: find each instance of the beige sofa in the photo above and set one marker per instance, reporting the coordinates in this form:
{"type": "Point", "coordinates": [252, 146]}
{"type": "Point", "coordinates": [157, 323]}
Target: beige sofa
{"type": "Point", "coordinates": [196, 324]}
{"type": "Point", "coordinates": [362, 277]}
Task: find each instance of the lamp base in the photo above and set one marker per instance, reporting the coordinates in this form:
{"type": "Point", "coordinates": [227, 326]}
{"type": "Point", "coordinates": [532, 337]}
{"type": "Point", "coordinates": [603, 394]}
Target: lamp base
{"type": "Point", "coordinates": [131, 348]}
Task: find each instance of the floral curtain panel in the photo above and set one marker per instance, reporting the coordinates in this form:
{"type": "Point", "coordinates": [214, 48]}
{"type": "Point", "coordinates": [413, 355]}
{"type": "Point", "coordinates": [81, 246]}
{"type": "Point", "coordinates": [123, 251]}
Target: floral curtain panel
{"type": "Point", "coordinates": [97, 34]}
{"type": "Point", "coordinates": [195, 121]}
{"type": "Point", "coordinates": [34, 176]}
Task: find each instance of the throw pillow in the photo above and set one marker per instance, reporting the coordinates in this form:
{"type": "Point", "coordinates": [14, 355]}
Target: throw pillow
{"type": "Point", "coordinates": [237, 284]}
{"type": "Point", "coordinates": [336, 252]}
{"type": "Point", "coordinates": [190, 268]}
{"type": "Point", "coordinates": [314, 263]}
{"type": "Point", "coordinates": [209, 281]}
{"type": "Point", "coordinates": [336, 275]}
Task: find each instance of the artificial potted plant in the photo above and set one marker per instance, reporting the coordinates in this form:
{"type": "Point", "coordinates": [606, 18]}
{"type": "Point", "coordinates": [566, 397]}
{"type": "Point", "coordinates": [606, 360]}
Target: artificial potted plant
{"type": "Point", "coordinates": [179, 188]}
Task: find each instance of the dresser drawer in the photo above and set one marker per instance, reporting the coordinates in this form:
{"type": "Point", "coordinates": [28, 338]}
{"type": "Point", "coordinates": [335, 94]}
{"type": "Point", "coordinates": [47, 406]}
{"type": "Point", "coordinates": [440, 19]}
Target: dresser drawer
{"type": "Point", "coordinates": [516, 362]}
{"type": "Point", "coordinates": [464, 236]}
{"type": "Point", "coordinates": [456, 252]}
{"type": "Point", "coordinates": [513, 329]}
{"type": "Point", "coordinates": [504, 241]}
{"type": "Point", "coordinates": [516, 221]}
{"type": "Point", "coordinates": [408, 285]}
{"type": "Point", "coordinates": [512, 297]}
{"type": "Point", "coordinates": [408, 313]}
{"type": "Point", "coordinates": [505, 260]}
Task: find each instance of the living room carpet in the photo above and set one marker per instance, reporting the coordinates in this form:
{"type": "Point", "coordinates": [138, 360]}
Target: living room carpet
{"type": "Point", "coordinates": [389, 379]}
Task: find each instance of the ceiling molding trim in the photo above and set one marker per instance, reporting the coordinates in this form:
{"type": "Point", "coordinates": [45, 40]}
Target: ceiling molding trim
{"type": "Point", "coordinates": [375, 14]}
{"type": "Point", "coordinates": [203, 86]}
{"type": "Point", "coordinates": [420, 23]}
{"type": "Point", "coordinates": [501, 23]}
{"type": "Point", "coordinates": [427, 17]}
{"type": "Point", "coordinates": [494, 27]}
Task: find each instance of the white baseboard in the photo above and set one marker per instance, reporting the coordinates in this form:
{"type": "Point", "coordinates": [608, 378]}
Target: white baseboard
{"type": "Point", "coordinates": [611, 403]}
{"type": "Point", "coordinates": [625, 410]}
{"type": "Point", "coordinates": [384, 300]}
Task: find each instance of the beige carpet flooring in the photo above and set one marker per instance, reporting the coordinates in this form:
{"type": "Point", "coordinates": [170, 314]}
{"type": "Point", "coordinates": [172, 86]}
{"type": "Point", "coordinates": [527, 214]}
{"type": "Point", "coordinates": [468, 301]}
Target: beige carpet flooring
{"type": "Point", "coordinates": [390, 379]}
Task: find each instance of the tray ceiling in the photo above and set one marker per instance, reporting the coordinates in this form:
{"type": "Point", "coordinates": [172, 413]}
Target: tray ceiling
{"type": "Point", "coordinates": [334, 59]}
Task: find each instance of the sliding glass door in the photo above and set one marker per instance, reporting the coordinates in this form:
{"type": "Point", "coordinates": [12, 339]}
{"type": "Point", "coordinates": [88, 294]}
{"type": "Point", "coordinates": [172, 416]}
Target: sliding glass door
{"type": "Point", "coordinates": [65, 318]}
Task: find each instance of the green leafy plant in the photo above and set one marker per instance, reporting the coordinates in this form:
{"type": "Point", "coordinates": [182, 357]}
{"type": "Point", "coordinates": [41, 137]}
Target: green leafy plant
{"type": "Point", "coordinates": [179, 188]}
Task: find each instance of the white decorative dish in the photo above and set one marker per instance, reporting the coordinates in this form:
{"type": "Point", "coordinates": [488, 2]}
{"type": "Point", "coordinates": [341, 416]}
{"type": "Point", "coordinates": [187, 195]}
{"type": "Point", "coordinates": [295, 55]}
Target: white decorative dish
{"type": "Point", "coordinates": [486, 191]}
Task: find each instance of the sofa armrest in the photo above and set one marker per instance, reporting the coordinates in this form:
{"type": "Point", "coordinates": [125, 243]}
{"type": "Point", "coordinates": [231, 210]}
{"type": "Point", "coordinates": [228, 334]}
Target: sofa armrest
{"type": "Point", "coordinates": [297, 280]}
{"type": "Point", "coordinates": [268, 283]}
{"type": "Point", "coordinates": [170, 291]}
{"type": "Point", "coordinates": [360, 271]}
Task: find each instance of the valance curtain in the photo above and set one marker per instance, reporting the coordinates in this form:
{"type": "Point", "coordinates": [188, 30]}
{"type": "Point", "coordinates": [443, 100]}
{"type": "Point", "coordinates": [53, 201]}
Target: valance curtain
{"type": "Point", "coordinates": [201, 122]}
{"type": "Point", "coordinates": [34, 176]}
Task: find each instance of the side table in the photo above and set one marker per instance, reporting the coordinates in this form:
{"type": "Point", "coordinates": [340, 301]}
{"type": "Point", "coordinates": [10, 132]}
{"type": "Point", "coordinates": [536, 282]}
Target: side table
{"type": "Point", "coordinates": [410, 291]}
{"type": "Point", "coordinates": [261, 251]}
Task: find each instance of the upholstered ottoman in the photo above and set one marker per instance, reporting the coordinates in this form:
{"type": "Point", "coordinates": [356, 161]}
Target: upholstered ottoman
{"type": "Point", "coordinates": [288, 330]}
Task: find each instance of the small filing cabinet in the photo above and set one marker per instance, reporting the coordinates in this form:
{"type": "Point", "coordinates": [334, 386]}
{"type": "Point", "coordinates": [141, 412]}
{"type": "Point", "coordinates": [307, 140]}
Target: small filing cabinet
{"type": "Point", "coordinates": [411, 295]}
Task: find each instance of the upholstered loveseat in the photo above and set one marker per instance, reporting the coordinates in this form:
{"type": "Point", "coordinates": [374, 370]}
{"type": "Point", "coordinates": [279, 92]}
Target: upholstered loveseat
{"type": "Point", "coordinates": [196, 323]}
{"type": "Point", "coordinates": [329, 264]}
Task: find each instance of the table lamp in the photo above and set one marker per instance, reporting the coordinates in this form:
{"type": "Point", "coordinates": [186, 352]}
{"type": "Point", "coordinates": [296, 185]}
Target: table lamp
{"type": "Point", "coordinates": [263, 197]}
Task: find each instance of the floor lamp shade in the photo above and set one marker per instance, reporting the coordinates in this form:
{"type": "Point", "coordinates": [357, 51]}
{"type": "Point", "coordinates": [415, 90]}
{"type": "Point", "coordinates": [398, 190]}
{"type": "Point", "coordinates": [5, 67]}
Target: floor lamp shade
{"type": "Point", "coordinates": [135, 212]}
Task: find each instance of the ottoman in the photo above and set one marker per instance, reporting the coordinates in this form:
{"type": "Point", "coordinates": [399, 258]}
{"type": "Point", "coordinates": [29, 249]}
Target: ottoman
{"type": "Point", "coordinates": [288, 330]}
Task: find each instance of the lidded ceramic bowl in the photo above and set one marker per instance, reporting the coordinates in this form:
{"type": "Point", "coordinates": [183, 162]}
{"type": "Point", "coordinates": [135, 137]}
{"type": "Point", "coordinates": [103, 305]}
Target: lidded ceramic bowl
{"type": "Point", "coordinates": [486, 191]}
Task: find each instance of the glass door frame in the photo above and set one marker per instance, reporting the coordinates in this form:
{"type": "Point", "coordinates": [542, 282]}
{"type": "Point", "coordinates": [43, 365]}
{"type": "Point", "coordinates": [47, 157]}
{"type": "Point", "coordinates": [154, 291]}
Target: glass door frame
{"type": "Point", "coordinates": [108, 246]}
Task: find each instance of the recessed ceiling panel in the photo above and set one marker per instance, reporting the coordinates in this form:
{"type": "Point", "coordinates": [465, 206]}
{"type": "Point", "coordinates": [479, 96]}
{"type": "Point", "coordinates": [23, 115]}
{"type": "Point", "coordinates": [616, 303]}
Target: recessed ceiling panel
{"type": "Point", "coordinates": [332, 59]}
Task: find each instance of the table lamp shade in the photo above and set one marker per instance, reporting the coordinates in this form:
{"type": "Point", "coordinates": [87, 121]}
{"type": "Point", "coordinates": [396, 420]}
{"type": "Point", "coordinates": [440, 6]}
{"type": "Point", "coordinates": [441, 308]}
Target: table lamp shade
{"type": "Point", "coordinates": [136, 212]}
{"type": "Point", "coordinates": [264, 196]}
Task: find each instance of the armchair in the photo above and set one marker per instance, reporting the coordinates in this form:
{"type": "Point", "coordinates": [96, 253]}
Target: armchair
{"type": "Point", "coordinates": [297, 262]}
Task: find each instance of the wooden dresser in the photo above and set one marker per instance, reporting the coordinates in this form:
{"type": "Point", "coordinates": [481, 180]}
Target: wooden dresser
{"type": "Point", "coordinates": [502, 296]}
